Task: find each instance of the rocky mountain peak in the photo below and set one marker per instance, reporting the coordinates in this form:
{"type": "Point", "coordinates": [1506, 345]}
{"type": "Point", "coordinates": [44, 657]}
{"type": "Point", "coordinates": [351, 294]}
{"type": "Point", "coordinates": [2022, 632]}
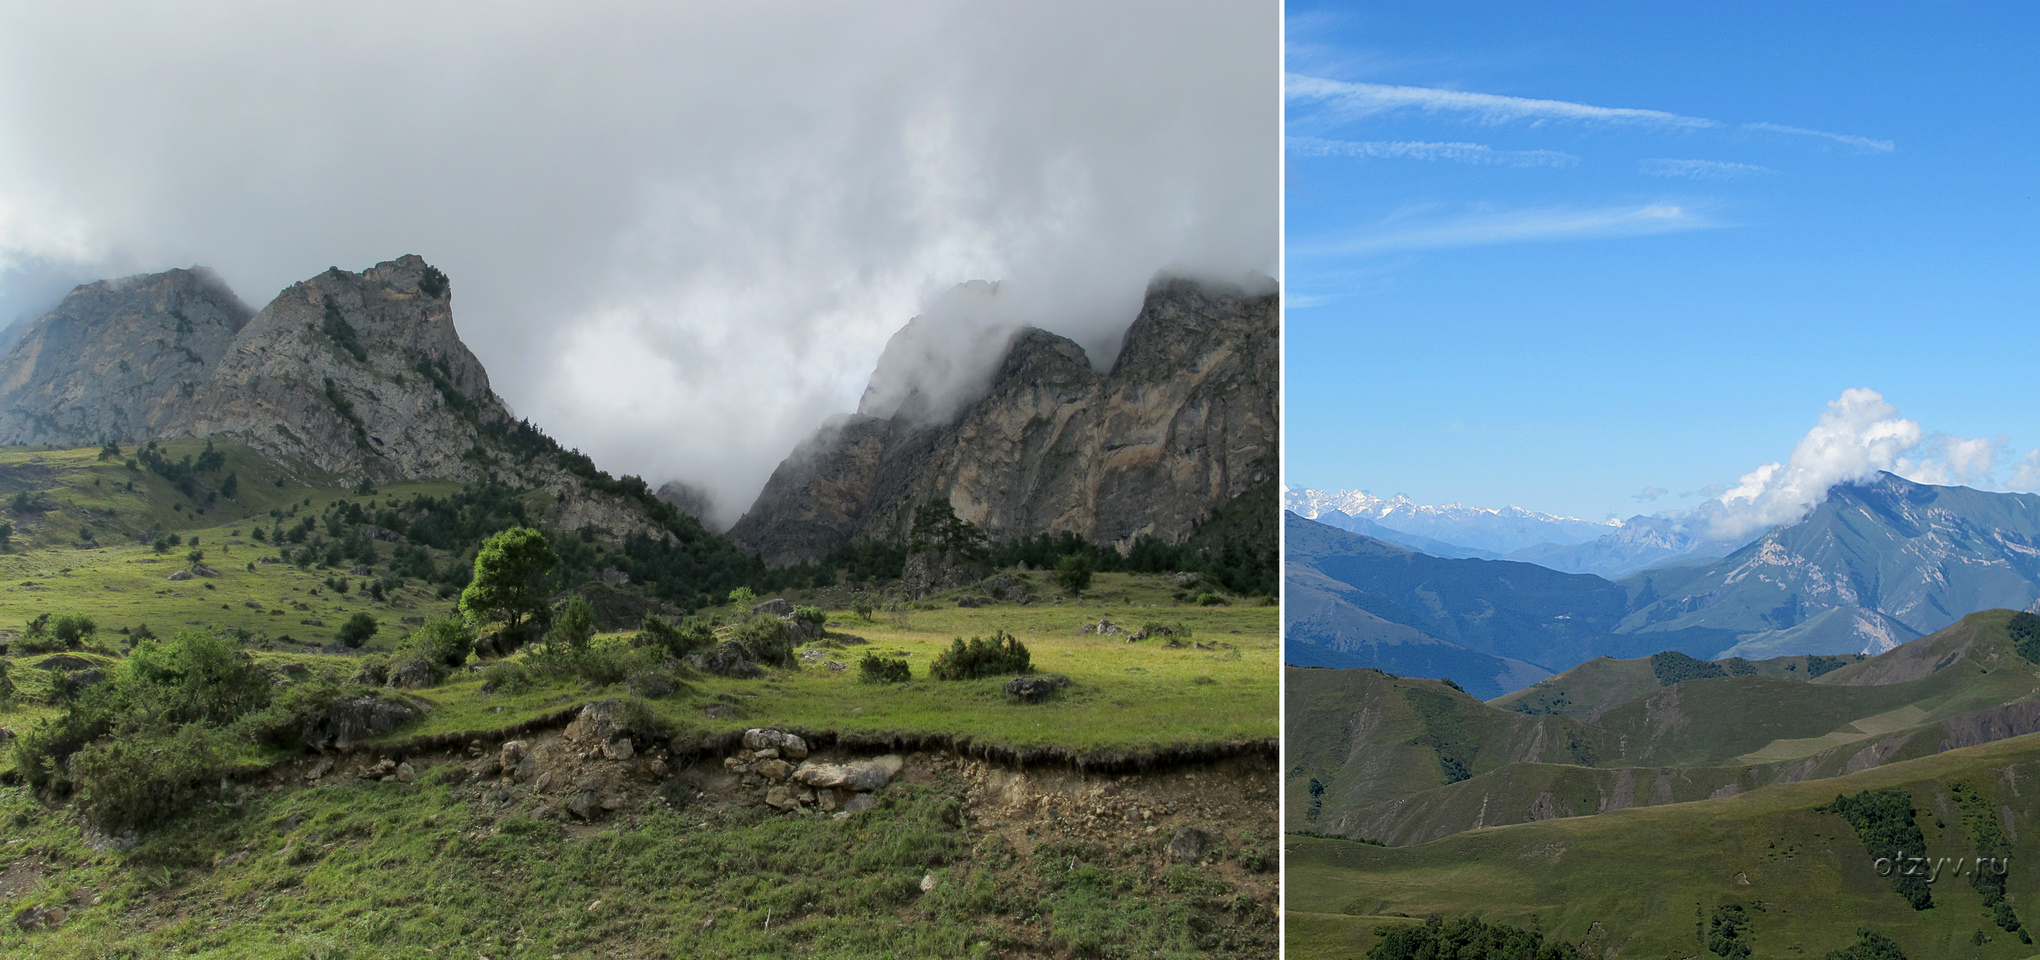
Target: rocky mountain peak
{"type": "Point", "coordinates": [116, 357]}
{"type": "Point", "coordinates": [1183, 424]}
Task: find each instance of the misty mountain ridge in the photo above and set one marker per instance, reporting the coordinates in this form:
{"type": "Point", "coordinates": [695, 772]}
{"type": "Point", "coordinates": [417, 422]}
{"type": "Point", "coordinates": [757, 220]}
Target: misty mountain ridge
{"type": "Point", "coordinates": [1182, 424]}
{"type": "Point", "coordinates": [1875, 565]}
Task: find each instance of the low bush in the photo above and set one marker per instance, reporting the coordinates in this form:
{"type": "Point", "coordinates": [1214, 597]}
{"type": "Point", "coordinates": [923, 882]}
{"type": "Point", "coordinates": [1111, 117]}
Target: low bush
{"type": "Point", "coordinates": [876, 669]}
{"type": "Point", "coordinates": [768, 638]}
{"type": "Point", "coordinates": [506, 676]}
{"type": "Point", "coordinates": [814, 615]}
{"type": "Point", "coordinates": [128, 785]}
{"type": "Point", "coordinates": [1211, 599]}
{"type": "Point", "coordinates": [690, 635]}
{"type": "Point", "coordinates": [446, 642]}
{"type": "Point", "coordinates": [1003, 653]}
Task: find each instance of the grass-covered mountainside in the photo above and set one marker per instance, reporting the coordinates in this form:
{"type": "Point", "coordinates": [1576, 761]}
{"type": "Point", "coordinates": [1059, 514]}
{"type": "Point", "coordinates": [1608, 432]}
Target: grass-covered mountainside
{"type": "Point", "coordinates": [184, 721]}
{"type": "Point", "coordinates": [1402, 760]}
{"type": "Point", "coordinates": [1784, 870]}
{"type": "Point", "coordinates": [1718, 779]}
{"type": "Point", "coordinates": [1876, 564]}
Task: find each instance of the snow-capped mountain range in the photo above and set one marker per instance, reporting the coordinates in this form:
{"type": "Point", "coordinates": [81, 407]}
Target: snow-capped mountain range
{"type": "Point", "coordinates": [1480, 530]}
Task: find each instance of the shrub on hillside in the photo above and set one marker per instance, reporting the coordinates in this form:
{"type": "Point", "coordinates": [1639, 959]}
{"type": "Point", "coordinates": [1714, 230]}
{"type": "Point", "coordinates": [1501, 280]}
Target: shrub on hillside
{"type": "Point", "coordinates": [1884, 822]}
{"type": "Point", "coordinates": [688, 636]}
{"type": "Point", "coordinates": [137, 784]}
{"type": "Point", "coordinates": [769, 639]}
{"type": "Point", "coordinates": [573, 626]}
{"type": "Point", "coordinates": [1003, 653]}
{"type": "Point", "coordinates": [876, 669]}
{"type": "Point", "coordinates": [506, 676]}
{"type": "Point", "coordinates": [446, 642]}
{"type": "Point", "coordinates": [814, 615]}
{"type": "Point", "coordinates": [6, 682]}
{"type": "Point", "coordinates": [2025, 631]}
{"type": "Point", "coordinates": [357, 630]}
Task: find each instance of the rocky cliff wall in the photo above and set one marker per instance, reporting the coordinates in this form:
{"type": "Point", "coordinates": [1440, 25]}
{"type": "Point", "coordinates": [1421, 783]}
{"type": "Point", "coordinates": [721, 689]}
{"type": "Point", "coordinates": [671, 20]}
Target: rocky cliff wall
{"type": "Point", "coordinates": [1184, 422]}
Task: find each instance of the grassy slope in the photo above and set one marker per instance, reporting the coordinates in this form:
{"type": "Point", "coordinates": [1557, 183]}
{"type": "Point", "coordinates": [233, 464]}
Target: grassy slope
{"type": "Point", "coordinates": [1642, 873]}
{"type": "Point", "coordinates": [1127, 697]}
{"type": "Point", "coordinates": [374, 870]}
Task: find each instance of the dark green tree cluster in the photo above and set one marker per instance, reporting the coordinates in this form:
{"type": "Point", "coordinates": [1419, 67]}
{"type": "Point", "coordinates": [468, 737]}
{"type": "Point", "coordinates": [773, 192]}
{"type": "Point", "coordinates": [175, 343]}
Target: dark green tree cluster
{"type": "Point", "coordinates": [937, 527]}
{"type": "Point", "coordinates": [1884, 822]}
{"type": "Point", "coordinates": [1672, 667]}
{"type": "Point", "coordinates": [2025, 631]}
{"type": "Point", "coordinates": [1869, 945]}
{"type": "Point", "coordinates": [1464, 938]}
{"type": "Point", "coordinates": [337, 329]}
{"type": "Point", "coordinates": [184, 473]}
{"type": "Point", "coordinates": [1728, 931]}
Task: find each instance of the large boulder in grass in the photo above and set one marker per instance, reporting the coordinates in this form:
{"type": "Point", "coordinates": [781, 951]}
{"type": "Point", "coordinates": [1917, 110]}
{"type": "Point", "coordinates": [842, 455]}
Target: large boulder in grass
{"type": "Point", "coordinates": [933, 571]}
{"type": "Point", "coordinates": [352, 720]}
{"type": "Point", "coordinates": [1037, 689]}
{"type": "Point", "coordinates": [65, 662]}
{"type": "Point", "coordinates": [416, 673]}
{"type": "Point", "coordinates": [726, 659]}
{"type": "Point", "coordinates": [775, 607]}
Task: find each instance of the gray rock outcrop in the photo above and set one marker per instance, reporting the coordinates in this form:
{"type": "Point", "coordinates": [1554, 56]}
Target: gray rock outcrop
{"type": "Point", "coordinates": [1183, 423]}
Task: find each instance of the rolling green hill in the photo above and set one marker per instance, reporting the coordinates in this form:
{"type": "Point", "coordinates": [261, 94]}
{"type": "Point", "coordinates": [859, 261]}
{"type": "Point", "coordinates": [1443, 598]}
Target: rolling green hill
{"type": "Point", "coordinates": [1406, 761]}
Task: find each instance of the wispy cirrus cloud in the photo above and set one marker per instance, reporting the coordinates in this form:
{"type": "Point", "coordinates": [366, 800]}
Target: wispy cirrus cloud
{"type": "Point", "coordinates": [1487, 228]}
{"type": "Point", "coordinates": [1849, 139]}
{"type": "Point", "coordinates": [1365, 99]}
{"type": "Point", "coordinates": [1455, 152]}
{"type": "Point", "coordinates": [1700, 169]}
{"type": "Point", "coordinates": [1361, 99]}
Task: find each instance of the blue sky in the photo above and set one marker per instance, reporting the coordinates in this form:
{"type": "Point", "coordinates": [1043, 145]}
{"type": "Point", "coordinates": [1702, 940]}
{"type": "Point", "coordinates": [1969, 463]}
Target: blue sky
{"type": "Point", "coordinates": [1562, 255]}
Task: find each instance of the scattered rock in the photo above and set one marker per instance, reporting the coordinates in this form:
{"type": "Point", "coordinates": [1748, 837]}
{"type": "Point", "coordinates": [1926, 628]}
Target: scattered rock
{"type": "Point", "coordinates": [970, 603]}
{"type": "Point", "coordinates": [775, 770]}
{"type": "Point", "coordinates": [65, 661]}
{"type": "Point", "coordinates": [775, 607]}
{"type": "Point", "coordinates": [585, 805]}
{"type": "Point", "coordinates": [619, 749]}
{"type": "Point", "coordinates": [416, 673]}
{"type": "Point", "coordinates": [352, 720]}
{"type": "Point", "coordinates": [859, 803]}
{"type": "Point", "coordinates": [781, 798]}
{"type": "Point", "coordinates": [1037, 689]}
{"type": "Point", "coordinates": [598, 723]}
{"type": "Point", "coordinates": [1105, 628]}
{"type": "Point", "coordinates": [1189, 845]}
{"type": "Point", "coordinates": [406, 773]}
{"type": "Point", "coordinates": [726, 659]}
{"type": "Point", "coordinates": [358, 570]}
{"type": "Point", "coordinates": [320, 769]}
{"type": "Point", "coordinates": [295, 671]}
{"type": "Point", "coordinates": [1004, 586]}
{"type": "Point", "coordinates": [204, 571]}
{"type": "Point", "coordinates": [38, 918]}
{"type": "Point", "coordinates": [860, 775]}
{"type": "Point", "coordinates": [928, 883]}
{"type": "Point", "coordinates": [181, 575]}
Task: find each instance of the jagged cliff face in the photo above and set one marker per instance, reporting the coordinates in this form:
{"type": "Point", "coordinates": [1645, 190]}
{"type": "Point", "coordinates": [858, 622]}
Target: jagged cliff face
{"type": "Point", "coordinates": [118, 359]}
{"type": "Point", "coordinates": [355, 374]}
{"type": "Point", "coordinates": [1184, 422]}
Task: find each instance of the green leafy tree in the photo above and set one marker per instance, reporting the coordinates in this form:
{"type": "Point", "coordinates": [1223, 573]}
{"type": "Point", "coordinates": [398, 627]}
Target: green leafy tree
{"type": "Point", "coordinates": [743, 598]}
{"type": "Point", "coordinates": [196, 557]}
{"type": "Point", "coordinates": [1073, 573]}
{"type": "Point", "coordinates": [509, 584]}
{"type": "Point", "coordinates": [358, 629]}
{"type": "Point", "coordinates": [6, 532]}
{"type": "Point", "coordinates": [73, 629]}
